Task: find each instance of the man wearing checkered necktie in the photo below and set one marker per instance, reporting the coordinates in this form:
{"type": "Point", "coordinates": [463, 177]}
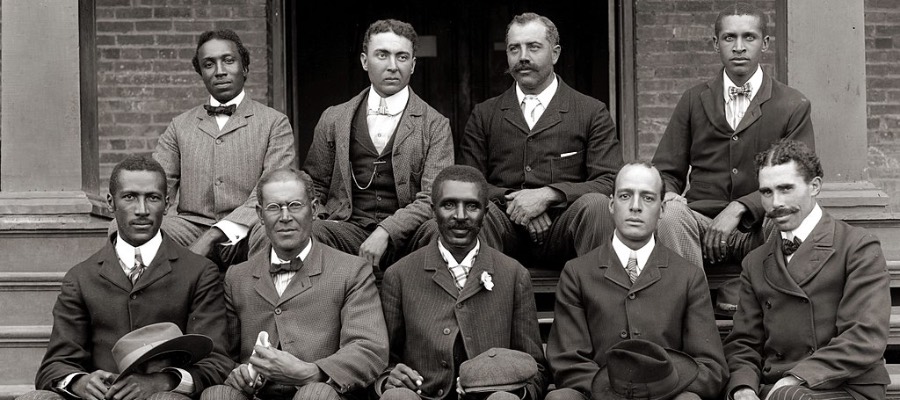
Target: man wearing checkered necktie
{"type": "Point", "coordinates": [706, 154]}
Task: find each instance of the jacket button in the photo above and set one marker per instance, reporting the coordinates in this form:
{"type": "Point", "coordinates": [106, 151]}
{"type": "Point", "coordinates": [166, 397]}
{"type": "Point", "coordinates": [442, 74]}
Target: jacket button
{"type": "Point", "coordinates": [277, 311]}
{"type": "Point", "coordinates": [804, 301]}
{"type": "Point", "coordinates": [134, 296]}
{"type": "Point", "coordinates": [446, 331]}
{"type": "Point", "coordinates": [528, 168]}
{"type": "Point", "coordinates": [811, 351]}
{"type": "Point", "coordinates": [734, 171]}
{"type": "Point", "coordinates": [218, 141]}
{"type": "Point", "coordinates": [441, 392]}
{"type": "Point", "coordinates": [768, 305]}
{"type": "Point", "coordinates": [735, 137]}
{"type": "Point", "coordinates": [623, 335]}
{"type": "Point", "coordinates": [459, 305]}
{"type": "Point", "coordinates": [444, 364]}
{"type": "Point", "coordinates": [631, 296]}
{"type": "Point", "coordinates": [767, 369]}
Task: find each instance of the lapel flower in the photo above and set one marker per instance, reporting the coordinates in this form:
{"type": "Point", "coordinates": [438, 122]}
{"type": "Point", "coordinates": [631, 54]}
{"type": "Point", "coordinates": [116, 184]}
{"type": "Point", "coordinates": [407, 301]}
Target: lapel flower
{"type": "Point", "coordinates": [486, 281]}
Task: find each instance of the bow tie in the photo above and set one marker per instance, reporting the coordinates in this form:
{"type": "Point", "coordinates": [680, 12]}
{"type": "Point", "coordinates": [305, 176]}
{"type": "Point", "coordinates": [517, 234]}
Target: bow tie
{"type": "Point", "coordinates": [292, 266]}
{"type": "Point", "coordinates": [739, 91]}
{"type": "Point", "coordinates": [788, 247]}
{"type": "Point", "coordinates": [216, 110]}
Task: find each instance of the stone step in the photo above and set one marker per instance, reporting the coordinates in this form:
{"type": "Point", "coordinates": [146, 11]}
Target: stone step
{"type": "Point", "coordinates": [27, 298]}
{"type": "Point", "coordinates": [10, 392]}
{"type": "Point", "coordinates": [48, 250]}
{"type": "Point", "coordinates": [21, 349]}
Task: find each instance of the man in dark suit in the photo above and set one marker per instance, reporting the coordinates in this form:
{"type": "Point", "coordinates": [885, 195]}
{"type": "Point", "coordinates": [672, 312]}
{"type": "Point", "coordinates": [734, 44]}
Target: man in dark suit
{"type": "Point", "coordinates": [716, 129]}
{"type": "Point", "coordinates": [549, 153]}
{"type": "Point", "coordinates": [318, 306]}
{"type": "Point", "coordinates": [140, 277]}
{"type": "Point", "coordinates": [455, 299]}
{"type": "Point", "coordinates": [213, 155]}
{"type": "Point", "coordinates": [374, 157]}
{"type": "Point", "coordinates": [813, 318]}
{"type": "Point", "coordinates": [632, 288]}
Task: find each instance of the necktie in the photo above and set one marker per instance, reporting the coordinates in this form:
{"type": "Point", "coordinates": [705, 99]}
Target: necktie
{"type": "Point", "coordinates": [532, 109]}
{"type": "Point", "coordinates": [139, 267]}
{"type": "Point", "coordinates": [740, 91]}
{"type": "Point", "coordinates": [788, 247]}
{"type": "Point", "coordinates": [631, 267]}
{"type": "Point", "coordinates": [292, 266]}
{"type": "Point", "coordinates": [382, 107]}
{"type": "Point", "coordinates": [212, 111]}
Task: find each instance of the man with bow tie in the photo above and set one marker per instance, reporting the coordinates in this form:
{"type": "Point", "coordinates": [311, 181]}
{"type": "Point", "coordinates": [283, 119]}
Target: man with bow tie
{"type": "Point", "coordinates": [814, 310]}
{"type": "Point", "coordinates": [319, 307]}
{"type": "Point", "coordinates": [710, 141]}
{"type": "Point", "coordinates": [213, 155]}
{"type": "Point", "coordinates": [373, 158]}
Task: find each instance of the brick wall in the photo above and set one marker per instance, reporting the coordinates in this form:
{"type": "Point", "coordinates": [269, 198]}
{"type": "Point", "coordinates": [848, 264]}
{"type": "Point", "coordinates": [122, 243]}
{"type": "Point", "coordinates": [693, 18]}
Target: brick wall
{"type": "Point", "coordinates": [883, 94]}
{"type": "Point", "coordinates": [145, 77]}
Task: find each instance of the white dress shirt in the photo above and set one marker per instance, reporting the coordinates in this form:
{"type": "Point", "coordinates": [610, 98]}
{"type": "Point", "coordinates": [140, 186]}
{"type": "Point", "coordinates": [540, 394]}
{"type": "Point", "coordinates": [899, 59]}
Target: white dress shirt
{"type": "Point", "coordinates": [806, 227]}
{"type": "Point", "coordinates": [282, 279]}
{"type": "Point", "coordinates": [459, 270]}
{"type": "Point", "coordinates": [382, 127]}
{"type": "Point", "coordinates": [543, 97]}
{"type": "Point", "coordinates": [735, 109]}
{"type": "Point", "coordinates": [624, 252]}
{"type": "Point", "coordinates": [232, 230]}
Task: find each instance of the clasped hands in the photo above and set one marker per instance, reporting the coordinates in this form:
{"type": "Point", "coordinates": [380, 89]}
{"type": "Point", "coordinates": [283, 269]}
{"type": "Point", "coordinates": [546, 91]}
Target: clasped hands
{"type": "Point", "coordinates": [99, 385]}
{"type": "Point", "coordinates": [527, 207]}
{"type": "Point", "coordinates": [276, 366]}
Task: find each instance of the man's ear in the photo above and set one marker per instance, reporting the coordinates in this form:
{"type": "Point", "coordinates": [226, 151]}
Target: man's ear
{"type": "Point", "coordinates": [362, 60]}
{"type": "Point", "coordinates": [716, 44]}
{"type": "Point", "coordinates": [765, 44]}
{"type": "Point", "coordinates": [259, 213]}
{"type": "Point", "coordinates": [111, 205]}
{"type": "Point", "coordinates": [815, 186]}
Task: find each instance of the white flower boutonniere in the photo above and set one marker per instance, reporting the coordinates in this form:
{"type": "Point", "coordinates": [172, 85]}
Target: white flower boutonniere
{"type": "Point", "coordinates": [486, 281]}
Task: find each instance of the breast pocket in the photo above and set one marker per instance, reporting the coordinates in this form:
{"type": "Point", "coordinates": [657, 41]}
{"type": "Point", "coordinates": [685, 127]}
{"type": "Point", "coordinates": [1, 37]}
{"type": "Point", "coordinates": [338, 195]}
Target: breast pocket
{"type": "Point", "coordinates": [567, 169]}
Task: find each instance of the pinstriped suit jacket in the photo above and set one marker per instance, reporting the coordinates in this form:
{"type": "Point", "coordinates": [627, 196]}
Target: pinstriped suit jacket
{"type": "Point", "coordinates": [423, 146]}
{"type": "Point", "coordinates": [217, 170]}
{"type": "Point", "coordinates": [425, 312]}
{"type": "Point", "coordinates": [329, 314]}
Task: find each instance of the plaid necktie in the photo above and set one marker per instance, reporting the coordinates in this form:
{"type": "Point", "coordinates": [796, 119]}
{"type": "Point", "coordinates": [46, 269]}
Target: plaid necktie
{"type": "Point", "coordinates": [631, 267]}
{"type": "Point", "coordinates": [740, 91]}
{"type": "Point", "coordinates": [139, 267]}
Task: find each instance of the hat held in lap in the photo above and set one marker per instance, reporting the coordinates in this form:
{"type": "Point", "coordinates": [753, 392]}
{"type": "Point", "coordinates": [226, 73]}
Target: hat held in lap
{"type": "Point", "coordinates": [497, 370]}
{"type": "Point", "coordinates": [638, 369]}
{"type": "Point", "coordinates": [151, 341]}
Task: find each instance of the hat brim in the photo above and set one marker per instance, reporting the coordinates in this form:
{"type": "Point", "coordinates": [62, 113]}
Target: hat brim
{"type": "Point", "coordinates": [195, 346]}
{"type": "Point", "coordinates": [496, 388]}
{"type": "Point", "coordinates": [718, 312]}
{"type": "Point", "coordinates": [686, 369]}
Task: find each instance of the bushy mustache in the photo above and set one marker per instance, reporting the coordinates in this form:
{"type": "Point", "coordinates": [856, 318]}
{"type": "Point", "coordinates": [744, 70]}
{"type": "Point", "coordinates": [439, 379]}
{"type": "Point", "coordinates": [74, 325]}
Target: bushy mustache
{"type": "Point", "coordinates": [782, 211]}
{"type": "Point", "coordinates": [520, 66]}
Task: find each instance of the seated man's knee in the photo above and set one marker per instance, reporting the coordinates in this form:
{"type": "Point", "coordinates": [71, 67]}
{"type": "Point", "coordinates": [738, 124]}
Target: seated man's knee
{"type": "Point", "coordinates": [40, 395]}
{"type": "Point", "coordinates": [565, 394]}
{"type": "Point", "coordinates": [399, 394]}
{"type": "Point", "coordinates": [503, 396]}
{"type": "Point", "coordinates": [687, 396]}
{"type": "Point", "coordinates": [317, 391]}
{"type": "Point", "coordinates": [223, 392]}
{"type": "Point", "coordinates": [591, 203]}
{"type": "Point", "coordinates": [168, 396]}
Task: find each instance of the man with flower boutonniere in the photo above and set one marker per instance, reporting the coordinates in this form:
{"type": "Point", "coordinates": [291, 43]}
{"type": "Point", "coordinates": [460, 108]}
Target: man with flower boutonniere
{"type": "Point", "coordinates": [461, 315]}
{"type": "Point", "coordinates": [632, 318]}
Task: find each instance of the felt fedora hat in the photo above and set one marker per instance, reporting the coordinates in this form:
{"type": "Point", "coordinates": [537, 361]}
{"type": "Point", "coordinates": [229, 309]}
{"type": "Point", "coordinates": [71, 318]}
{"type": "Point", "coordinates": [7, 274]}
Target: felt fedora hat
{"type": "Point", "coordinates": [638, 369]}
{"type": "Point", "coordinates": [153, 340]}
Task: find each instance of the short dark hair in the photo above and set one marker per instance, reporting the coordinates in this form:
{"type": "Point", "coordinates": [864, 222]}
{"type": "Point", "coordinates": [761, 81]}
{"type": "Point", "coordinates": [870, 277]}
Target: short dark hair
{"type": "Point", "coordinates": [648, 165]}
{"type": "Point", "coordinates": [742, 9]}
{"type": "Point", "coordinates": [400, 28]}
{"type": "Point", "coordinates": [221, 34]}
{"type": "Point", "coordinates": [460, 173]}
{"type": "Point", "coordinates": [284, 174]}
{"type": "Point", "coordinates": [784, 151]}
{"type": "Point", "coordinates": [136, 162]}
{"type": "Point", "coordinates": [522, 19]}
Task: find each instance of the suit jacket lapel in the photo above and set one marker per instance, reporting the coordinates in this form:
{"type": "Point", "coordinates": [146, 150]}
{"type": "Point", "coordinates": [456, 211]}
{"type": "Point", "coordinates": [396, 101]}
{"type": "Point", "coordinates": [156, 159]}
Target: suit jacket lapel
{"type": "Point", "coordinates": [239, 118]}
{"type": "Point", "coordinates": [441, 275]}
{"type": "Point", "coordinates": [753, 110]}
{"type": "Point", "coordinates": [512, 112]}
{"type": "Point", "coordinates": [482, 264]}
{"type": "Point", "coordinates": [342, 137]}
{"type": "Point", "coordinates": [415, 108]}
{"type": "Point", "coordinates": [159, 267]}
{"type": "Point", "coordinates": [111, 268]}
{"type": "Point", "coordinates": [615, 271]}
{"type": "Point", "coordinates": [559, 104]}
{"type": "Point", "coordinates": [265, 285]}
{"type": "Point", "coordinates": [811, 256]}
{"type": "Point", "coordinates": [302, 281]}
{"type": "Point", "coordinates": [206, 123]}
{"type": "Point", "coordinates": [714, 103]}
{"type": "Point", "coordinates": [650, 274]}
{"type": "Point", "coordinates": [775, 270]}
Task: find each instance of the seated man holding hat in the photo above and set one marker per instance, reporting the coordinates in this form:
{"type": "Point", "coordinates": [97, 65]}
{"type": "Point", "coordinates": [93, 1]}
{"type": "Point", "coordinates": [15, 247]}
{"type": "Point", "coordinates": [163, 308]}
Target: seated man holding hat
{"type": "Point", "coordinates": [139, 278]}
{"type": "Point", "coordinates": [461, 316]}
{"type": "Point", "coordinates": [631, 287]}
{"type": "Point", "coordinates": [156, 348]}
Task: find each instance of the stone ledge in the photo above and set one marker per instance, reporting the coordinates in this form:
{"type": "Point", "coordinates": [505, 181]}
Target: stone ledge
{"type": "Point", "coordinates": [52, 210]}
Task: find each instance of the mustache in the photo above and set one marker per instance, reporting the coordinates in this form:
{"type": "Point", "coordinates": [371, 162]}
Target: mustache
{"type": "Point", "coordinates": [520, 66]}
{"type": "Point", "coordinates": [460, 225]}
{"type": "Point", "coordinates": [782, 211]}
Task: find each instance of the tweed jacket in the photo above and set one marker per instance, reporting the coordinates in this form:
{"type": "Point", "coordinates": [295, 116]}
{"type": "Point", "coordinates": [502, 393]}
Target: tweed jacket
{"type": "Point", "coordinates": [597, 307]}
{"type": "Point", "coordinates": [216, 170]}
{"type": "Point", "coordinates": [720, 159]}
{"type": "Point", "coordinates": [423, 146]}
{"type": "Point", "coordinates": [329, 314]}
{"type": "Point", "coordinates": [830, 329]}
{"type": "Point", "coordinates": [573, 147]}
{"type": "Point", "coordinates": [98, 305]}
{"type": "Point", "coordinates": [425, 312]}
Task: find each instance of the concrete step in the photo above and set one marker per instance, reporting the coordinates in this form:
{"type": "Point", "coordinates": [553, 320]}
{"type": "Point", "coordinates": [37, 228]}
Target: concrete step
{"type": "Point", "coordinates": [27, 298]}
{"type": "Point", "coordinates": [50, 250]}
{"type": "Point", "coordinates": [10, 392]}
{"type": "Point", "coordinates": [22, 348]}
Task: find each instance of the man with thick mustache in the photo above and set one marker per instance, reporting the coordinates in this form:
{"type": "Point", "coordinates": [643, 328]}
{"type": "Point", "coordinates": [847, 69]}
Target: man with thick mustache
{"type": "Point", "coordinates": [374, 157]}
{"type": "Point", "coordinates": [213, 155]}
{"type": "Point", "coordinates": [549, 153]}
{"type": "Point", "coordinates": [710, 141]}
{"type": "Point", "coordinates": [319, 307]}
{"type": "Point", "coordinates": [456, 298]}
{"type": "Point", "coordinates": [815, 305]}
{"type": "Point", "coordinates": [632, 287]}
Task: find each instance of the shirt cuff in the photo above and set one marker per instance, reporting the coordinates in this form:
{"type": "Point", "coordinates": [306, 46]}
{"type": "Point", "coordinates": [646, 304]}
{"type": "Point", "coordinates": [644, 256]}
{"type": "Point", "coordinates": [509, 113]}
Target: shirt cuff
{"type": "Point", "coordinates": [232, 230]}
{"type": "Point", "coordinates": [186, 385]}
{"type": "Point", "coordinates": [63, 384]}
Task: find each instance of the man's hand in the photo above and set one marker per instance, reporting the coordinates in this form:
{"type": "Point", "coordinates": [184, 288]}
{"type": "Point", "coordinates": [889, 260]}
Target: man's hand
{"type": "Point", "coordinates": [240, 379]}
{"type": "Point", "coordinates": [402, 376]}
{"type": "Point", "coordinates": [373, 248]}
{"type": "Point", "coordinates": [207, 241]}
{"type": "Point", "coordinates": [715, 243]}
{"type": "Point", "coordinates": [282, 367]}
{"type": "Point", "coordinates": [93, 386]}
{"type": "Point", "coordinates": [745, 393]}
{"type": "Point", "coordinates": [140, 386]}
{"type": "Point", "coordinates": [539, 228]}
{"type": "Point", "coordinates": [526, 204]}
{"type": "Point", "coordinates": [789, 380]}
